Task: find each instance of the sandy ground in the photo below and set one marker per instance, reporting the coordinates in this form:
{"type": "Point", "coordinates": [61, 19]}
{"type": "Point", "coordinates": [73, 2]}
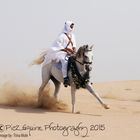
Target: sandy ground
{"type": "Point", "coordinates": [19, 119]}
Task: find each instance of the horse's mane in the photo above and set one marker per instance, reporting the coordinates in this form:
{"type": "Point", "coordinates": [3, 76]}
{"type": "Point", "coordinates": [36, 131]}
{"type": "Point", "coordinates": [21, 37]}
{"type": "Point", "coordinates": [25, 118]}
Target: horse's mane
{"type": "Point", "coordinates": [80, 51]}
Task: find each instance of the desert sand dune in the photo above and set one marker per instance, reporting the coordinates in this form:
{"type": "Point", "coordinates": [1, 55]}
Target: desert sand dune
{"type": "Point", "coordinates": [55, 121]}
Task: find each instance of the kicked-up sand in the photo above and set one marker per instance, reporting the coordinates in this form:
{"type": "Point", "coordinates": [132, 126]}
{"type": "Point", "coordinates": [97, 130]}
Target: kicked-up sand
{"type": "Point", "coordinates": [20, 119]}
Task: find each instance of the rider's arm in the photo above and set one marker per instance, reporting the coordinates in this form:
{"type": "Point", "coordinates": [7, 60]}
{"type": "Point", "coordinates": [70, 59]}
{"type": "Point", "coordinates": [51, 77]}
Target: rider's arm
{"type": "Point", "coordinates": [74, 42]}
{"type": "Point", "coordinates": [60, 42]}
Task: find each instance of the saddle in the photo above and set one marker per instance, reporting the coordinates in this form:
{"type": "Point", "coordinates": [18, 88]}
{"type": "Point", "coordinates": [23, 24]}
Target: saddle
{"type": "Point", "coordinates": [59, 65]}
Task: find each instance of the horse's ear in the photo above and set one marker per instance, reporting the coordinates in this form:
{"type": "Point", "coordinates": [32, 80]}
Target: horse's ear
{"type": "Point", "coordinates": [85, 47]}
{"type": "Point", "coordinates": [91, 47]}
{"type": "Point", "coordinates": [78, 54]}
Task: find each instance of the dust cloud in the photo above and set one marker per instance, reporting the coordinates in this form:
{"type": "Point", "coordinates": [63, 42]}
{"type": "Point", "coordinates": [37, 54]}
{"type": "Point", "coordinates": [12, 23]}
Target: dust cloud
{"type": "Point", "coordinates": [12, 94]}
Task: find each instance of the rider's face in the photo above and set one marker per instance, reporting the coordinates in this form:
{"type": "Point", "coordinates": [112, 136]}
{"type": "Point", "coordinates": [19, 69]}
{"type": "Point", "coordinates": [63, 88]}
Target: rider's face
{"type": "Point", "coordinates": [72, 26]}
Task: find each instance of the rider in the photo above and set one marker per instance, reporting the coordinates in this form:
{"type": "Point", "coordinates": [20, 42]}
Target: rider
{"type": "Point", "coordinates": [64, 45]}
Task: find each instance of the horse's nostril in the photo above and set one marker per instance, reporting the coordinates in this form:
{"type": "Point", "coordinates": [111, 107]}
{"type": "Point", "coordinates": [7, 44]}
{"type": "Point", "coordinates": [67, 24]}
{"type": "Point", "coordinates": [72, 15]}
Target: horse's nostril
{"type": "Point", "coordinates": [90, 69]}
{"type": "Point", "coordinates": [86, 67]}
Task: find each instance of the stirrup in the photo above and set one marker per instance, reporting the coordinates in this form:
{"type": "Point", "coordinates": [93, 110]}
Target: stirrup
{"type": "Point", "coordinates": [66, 81]}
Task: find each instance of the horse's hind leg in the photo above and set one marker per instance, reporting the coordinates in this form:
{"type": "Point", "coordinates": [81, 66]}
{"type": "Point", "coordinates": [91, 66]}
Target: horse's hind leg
{"type": "Point", "coordinates": [45, 79]}
{"type": "Point", "coordinates": [57, 86]}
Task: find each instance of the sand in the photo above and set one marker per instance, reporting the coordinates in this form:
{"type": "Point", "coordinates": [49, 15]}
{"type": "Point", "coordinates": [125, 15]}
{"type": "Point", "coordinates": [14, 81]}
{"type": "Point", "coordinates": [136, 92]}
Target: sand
{"type": "Point", "coordinates": [20, 119]}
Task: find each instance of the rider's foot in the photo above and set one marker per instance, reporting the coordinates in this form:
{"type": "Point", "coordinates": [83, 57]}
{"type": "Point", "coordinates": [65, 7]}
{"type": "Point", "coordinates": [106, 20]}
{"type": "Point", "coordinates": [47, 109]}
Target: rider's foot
{"type": "Point", "coordinates": [66, 81]}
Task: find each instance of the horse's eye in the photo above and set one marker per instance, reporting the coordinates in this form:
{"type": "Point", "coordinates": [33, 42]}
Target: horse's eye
{"type": "Point", "coordinates": [86, 56]}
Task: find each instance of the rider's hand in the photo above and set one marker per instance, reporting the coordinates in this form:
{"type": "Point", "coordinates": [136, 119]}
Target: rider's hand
{"type": "Point", "coordinates": [74, 50]}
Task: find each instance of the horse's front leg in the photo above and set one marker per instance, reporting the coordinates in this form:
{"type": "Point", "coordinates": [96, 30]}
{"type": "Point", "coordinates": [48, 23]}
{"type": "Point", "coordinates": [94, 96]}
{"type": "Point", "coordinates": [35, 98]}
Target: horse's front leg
{"type": "Point", "coordinates": [73, 91]}
{"type": "Point", "coordinates": [90, 89]}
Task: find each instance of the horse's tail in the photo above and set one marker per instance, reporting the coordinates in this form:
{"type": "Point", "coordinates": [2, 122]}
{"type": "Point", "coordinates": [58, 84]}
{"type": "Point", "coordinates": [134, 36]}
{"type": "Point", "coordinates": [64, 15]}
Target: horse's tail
{"type": "Point", "coordinates": [39, 60]}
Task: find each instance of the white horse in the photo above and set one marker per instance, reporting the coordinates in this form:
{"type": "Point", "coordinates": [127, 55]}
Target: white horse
{"type": "Point", "coordinates": [78, 73]}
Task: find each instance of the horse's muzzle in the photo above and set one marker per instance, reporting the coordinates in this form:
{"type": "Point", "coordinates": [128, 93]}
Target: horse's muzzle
{"type": "Point", "coordinates": [88, 67]}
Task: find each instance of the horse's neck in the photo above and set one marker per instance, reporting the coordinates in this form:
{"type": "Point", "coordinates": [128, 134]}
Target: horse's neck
{"type": "Point", "coordinates": [80, 67]}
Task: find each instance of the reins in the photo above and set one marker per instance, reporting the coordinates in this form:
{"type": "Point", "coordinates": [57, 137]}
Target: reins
{"type": "Point", "coordinates": [84, 62]}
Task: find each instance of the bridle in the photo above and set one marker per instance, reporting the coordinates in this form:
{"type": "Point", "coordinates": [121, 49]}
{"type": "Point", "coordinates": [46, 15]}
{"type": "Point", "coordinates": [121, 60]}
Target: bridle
{"type": "Point", "coordinates": [84, 62]}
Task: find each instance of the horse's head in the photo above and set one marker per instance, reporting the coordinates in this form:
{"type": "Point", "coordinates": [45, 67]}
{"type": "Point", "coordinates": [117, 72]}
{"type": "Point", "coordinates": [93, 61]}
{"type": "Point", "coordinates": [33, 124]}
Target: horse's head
{"type": "Point", "coordinates": [85, 56]}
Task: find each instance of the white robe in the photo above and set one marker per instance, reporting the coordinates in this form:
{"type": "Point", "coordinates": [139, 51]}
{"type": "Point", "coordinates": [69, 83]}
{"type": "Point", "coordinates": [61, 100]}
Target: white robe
{"type": "Point", "coordinates": [54, 52]}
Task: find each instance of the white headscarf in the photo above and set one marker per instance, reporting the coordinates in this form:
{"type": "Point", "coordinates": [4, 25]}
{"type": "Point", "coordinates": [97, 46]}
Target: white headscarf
{"type": "Point", "coordinates": [67, 29]}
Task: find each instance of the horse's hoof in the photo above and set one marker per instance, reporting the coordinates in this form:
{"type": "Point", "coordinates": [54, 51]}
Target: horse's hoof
{"type": "Point", "coordinates": [78, 112]}
{"type": "Point", "coordinates": [39, 105]}
{"type": "Point", "coordinates": [106, 106]}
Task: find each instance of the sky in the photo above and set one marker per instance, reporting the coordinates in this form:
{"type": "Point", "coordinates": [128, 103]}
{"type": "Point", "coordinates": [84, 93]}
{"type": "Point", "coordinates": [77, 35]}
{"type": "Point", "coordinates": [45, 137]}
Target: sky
{"type": "Point", "coordinates": [28, 27]}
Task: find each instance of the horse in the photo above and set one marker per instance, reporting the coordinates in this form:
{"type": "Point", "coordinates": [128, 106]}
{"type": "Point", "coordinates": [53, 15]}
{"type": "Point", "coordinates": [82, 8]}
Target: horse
{"type": "Point", "coordinates": [79, 71]}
